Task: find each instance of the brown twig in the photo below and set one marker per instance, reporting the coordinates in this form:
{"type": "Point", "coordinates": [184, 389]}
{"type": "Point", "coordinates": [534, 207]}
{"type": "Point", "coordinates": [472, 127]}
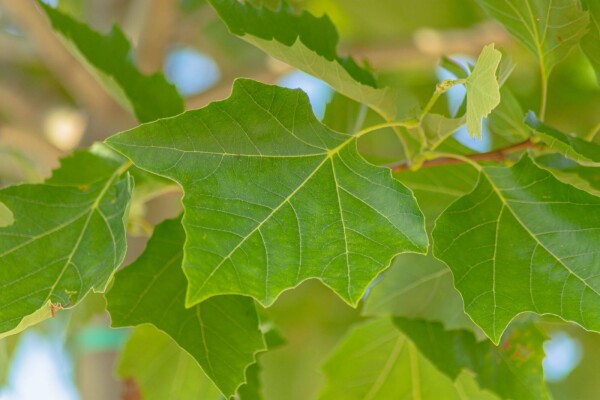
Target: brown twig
{"type": "Point", "coordinates": [496, 155]}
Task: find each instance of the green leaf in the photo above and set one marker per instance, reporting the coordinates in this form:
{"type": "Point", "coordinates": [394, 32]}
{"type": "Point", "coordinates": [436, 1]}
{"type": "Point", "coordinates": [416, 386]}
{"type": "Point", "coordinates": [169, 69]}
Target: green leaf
{"type": "Point", "coordinates": [67, 238]}
{"type": "Point", "coordinates": [548, 28]}
{"type": "Point", "coordinates": [506, 121]}
{"type": "Point", "coordinates": [585, 153]}
{"type": "Point", "coordinates": [512, 370]}
{"type": "Point", "coordinates": [523, 241]}
{"type": "Point", "coordinates": [376, 361]}
{"type": "Point", "coordinates": [149, 96]}
{"type": "Point", "coordinates": [438, 128]}
{"type": "Point", "coordinates": [273, 197]}
{"type": "Point", "coordinates": [6, 216]}
{"type": "Point", "coordinates": [483, 89]}
{"type": "Point", "coordinates": [307, 43]}
{"type": "Point", "coordinates": [590, 43]}
{"type": "Point", "coordinates": [221, 333]}
{"type": "Point", "coordinates": [161, 369]}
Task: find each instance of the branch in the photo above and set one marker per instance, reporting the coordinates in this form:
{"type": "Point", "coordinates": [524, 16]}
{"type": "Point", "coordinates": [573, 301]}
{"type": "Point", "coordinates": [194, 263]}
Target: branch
{"type": "Point", "coordinates": [496, 155]}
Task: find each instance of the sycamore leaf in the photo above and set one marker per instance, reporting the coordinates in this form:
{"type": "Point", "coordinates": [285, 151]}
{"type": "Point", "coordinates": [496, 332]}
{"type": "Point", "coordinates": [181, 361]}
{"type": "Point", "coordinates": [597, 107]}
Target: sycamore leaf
{"type": "Point", "coordinates": [548, 28]}
{"type": "Point", "coordinates": [273, 197]}
{"type": "Point", "coordinates": [161, 369]}
{"type": "Point", "coordinates": [590, 43]}
{"type": "Point", "coordinates": [523, 241]}
{"type": "Point", "coordinates": [148, 96]}
{"type": "Point", "coordinates": [585, 153]}
{"type": "Point", "coordinates": [221, 333]}
{"type": "Point", "coordinates": [483, 89]}
{"type": "Point", "coordinates": [307, 43]}
{"type": "Point", "coordinates": [512, 370]}
{"type": "Point", "coordinates": [507, 119]}
{"type": "Point", "coordinates": [439, 128]}
{"type": "Point", "coordinates": [376, 361]}
{"type": "Point", "coordinates": [67, 238]}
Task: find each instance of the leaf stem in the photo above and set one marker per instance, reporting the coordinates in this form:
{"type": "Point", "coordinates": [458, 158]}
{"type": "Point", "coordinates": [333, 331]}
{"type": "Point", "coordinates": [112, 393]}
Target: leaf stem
{"type": "Point", "coordinates": [410, 123]}
{"type": "Point", "coordinates": [592, 135]}
{"type": "Point", "coordinates": [544, 100]}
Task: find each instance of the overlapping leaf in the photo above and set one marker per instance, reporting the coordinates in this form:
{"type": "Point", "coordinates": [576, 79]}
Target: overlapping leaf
{"type": "Point", "coordinates": [67, 238]}
{"type": "Point", "coordinates": [585, 153]}
{"type": "Point", "coordinates": [548, 28]}
{"type": "Point", "coordinates": [221, 333]}
{"type": "Point", "coordinates": [273, 197]}
{"type": "Point", "coordinates": [523, 241]}
{"type": "Point", "coordinates": [161, 370]}
{"type": "Point", "coordinates": [307, 43]}
{"type": "Point", "coordinates": [590, 43]}
{"type": "Point", "coordinates": [149, 96]}
{"type": "Point", "coordinates": [376, 361]}
{"type": "Point", "coordinates": [512, 370]}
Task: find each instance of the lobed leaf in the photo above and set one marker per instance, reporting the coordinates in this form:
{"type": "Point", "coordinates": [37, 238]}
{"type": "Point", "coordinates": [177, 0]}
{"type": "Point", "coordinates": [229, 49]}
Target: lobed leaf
{"type": "Point", "coordinates": [523, 241]}
{"type": "Point", "coordinates": [221, 333]}
{"type": "Point", "coordinates": [273, 197]}
{"type": "Point", "coordinates": [67, 238]}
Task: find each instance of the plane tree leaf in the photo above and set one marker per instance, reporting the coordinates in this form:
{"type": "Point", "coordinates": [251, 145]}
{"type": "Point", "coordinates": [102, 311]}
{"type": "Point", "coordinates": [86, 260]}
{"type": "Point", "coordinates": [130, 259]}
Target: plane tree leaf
{"type": "Point", "coordinates": [67, 238]}
{"type": "Point", "coordinates": [273, 197]}
{"type": "Point", "coordinates": [590, 43]}
{"type": "Point", "coordinates": [376, 361]}
{"type": "Point", "coordinates": [523, 241]}
{"type": "Point", "coordinates": [307, 43]}
{"type": "Point", "coordinates": [547, 28]}
{"type": "Point", "coordinates": [149, 96]}
{"type": "Point", "coordinates": [483, 89]}
{"type": "Point", "coordinates": [161, 370]}
{"type": "Point", "coordinates": [512, 370]}
{"type": "Point", "coordinates": [222, 333]}
{"type": "Point", "coordinates": [584, 152]}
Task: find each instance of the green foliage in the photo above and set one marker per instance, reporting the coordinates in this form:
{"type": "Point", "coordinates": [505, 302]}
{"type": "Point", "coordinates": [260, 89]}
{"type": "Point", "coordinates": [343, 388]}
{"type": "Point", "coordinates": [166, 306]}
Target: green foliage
{"type": "Point", "coordinates": [272, 197]}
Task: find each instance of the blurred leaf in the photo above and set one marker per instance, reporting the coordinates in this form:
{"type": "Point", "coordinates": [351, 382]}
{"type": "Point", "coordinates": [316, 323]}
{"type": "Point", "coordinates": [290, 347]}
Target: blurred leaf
{"type": "Point", "coordinates": [523, 241]}
{"type": "Point", "coordinates": [161, 369]}
{"type": "Point", "coordinates": [148, 97]}
{"type": "Point", "coordinates": [506, 121]}
{"type": "Point", "coordinates": [67, 238]}
{"type": "Point", "coordinates": [220, 333]}
{"type": "Point", "coordinates": [590, 43]}
{"type": "Point", "coordinates": [273, 197]}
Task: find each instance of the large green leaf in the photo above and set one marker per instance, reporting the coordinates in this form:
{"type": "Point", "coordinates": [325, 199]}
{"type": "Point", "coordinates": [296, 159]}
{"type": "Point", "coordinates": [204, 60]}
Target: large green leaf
{"type": "Point", "coordinates": [590, 43]}
{"type": "Point", "coordinates": [307, 43]}
{"type": "Point", "coordinates": [221, 333]}
{"type": "Point", "coordinates": [548, 28]}
{"type": "Point", "coordinates": [161, 370]}
{"type": "Point", "coordinates": [483, 89]}
{"type": "Point", "coordinates": [67, 238]}
{"type": "Point", "coordinates": [273, 197]}
{"type": "Point", "coordinates": [523, 241]}
{"type": "Point", "coordinates": [512, 370]}
{"type": "Point", "coordinates": [376, 361]}
{"type": "Point", "coordinates": [585, 153]}
{"type": "Point", "coordinates": [149, 97]}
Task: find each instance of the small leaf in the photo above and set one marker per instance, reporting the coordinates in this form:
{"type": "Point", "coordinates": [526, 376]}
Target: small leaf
{"type": "Point", "coordinates": [67, 238]}
{"type": "Point", "coordinates": [590, 43]}
{"type": "Point", "coordinates": [585, 153]}
{"type": "Point", "coordinates": [149, 97]}
{"type": "Point", "coordinates": [273, 197]}
{"type": "Point", "coordinates": [307, 43]}
{"type": "Point", "coordinates": [162, 370]}
{"type": "Point", "coordinates": [483, 89]}
{"type": "Point", "coordinates": [548, 28]}
{"type": "Point", "coordinates": [523, 241]}
{"type": "Point", "coordinates": [513, 370]}
{"type": "Point", "coordinates": [221, 333]}
{"type": "Point", "coordinates": [376, 361]}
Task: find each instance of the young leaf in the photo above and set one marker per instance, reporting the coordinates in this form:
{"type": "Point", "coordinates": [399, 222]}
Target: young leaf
{"type": "Point", "coordinates": [376, 361]}
{"type": "Point", "coordinates": [483, 89]}
{"type": "Point", "coordinates": [585, 153]}
{"type": "Point", "coordinates": [67, 238]}
{"type": "Point", "coordinates": [273, 197]}
{"type": "Point", "coordinates": [149, 97]}
{"type": "Point", "coordinates": [523, 241]}
{"type": "Point", "coordinates": [590, 43]}
{"type": "Point", "coordinates": [221, 333]}
{"type": "Point", "coordinates": [512, 370]}
{"type": "Point", "coordinates": [548, 28]}
{"type": "Point", "coordinates": [307, 43]}
{"type": "Point", "coordinates": [162, 370]}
